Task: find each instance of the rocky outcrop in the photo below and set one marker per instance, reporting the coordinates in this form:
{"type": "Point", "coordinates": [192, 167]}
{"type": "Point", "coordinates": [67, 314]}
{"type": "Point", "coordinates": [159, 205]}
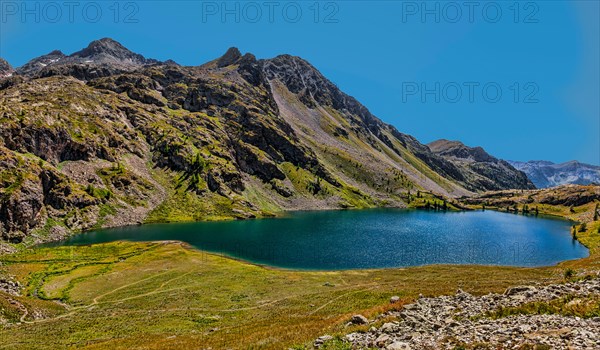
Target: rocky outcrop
{"type": "Point", "coordinates": [31, 192]}
{"type": "Point", "coordinates": [547, 174]}
{"type": "Point", "coordinates": [10, 286]}
{"type": "Point", "coordinates": [489, 321]}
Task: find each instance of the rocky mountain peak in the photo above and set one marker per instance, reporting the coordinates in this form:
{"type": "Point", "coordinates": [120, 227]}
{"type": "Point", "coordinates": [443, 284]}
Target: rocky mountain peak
{"type": "Point", "coordinates": [107, 45]}
{"type": "Point", "coordinates": [313, 88]}
{"type": "Point", "coordinates": [171, 63]}
{"type": "Point", "coordinates": [41, 62]}
{"type": "Point", "coordinates": [107, 50]}
{"type": "Point", "coordinates": [460, 150]}
{"type": "Point", "coordinates": [230, 57]}
{"type": "Point", "coordinates": [100, 58]}
{"type": "Point", "coordinates": [442, 144]}
{"type": "Point", "coordinates": [6, 70]}
{"type": "Point", "coordinates": [56, 53]}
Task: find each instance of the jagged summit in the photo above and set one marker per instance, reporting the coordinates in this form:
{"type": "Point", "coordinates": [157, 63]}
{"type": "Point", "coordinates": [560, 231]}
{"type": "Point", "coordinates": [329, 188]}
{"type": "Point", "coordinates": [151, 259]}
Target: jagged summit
{"type": "Point", "coordinates": [460, 150]}
{"type": "Point", "coordinates": [6, 70]}
{"type": "Point", "coordinates": [105, 52]}
{"type": "Point", "coordinates": [171, 62]}
{"type": "Point", "coordinates": [230, 57]}
{"type": "Point", "coordinates": [105, 45]}
{"type": "Point", "coordinates": [56, 53]}
{"type": "Point", "coordinates": [39, 63]}
{"type": "Point", "coordinates": [302, 78]}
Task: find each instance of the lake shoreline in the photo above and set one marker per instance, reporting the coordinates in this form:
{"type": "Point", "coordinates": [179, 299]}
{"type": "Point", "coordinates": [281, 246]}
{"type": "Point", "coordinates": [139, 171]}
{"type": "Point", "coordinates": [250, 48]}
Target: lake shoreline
{"type": "Point", "coordinates": [379, 238]}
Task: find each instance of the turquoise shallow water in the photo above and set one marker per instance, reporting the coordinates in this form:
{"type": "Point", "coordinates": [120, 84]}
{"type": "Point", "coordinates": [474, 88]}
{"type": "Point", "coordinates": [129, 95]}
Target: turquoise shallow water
{"type": "Point", "coordinates": [354, 239]}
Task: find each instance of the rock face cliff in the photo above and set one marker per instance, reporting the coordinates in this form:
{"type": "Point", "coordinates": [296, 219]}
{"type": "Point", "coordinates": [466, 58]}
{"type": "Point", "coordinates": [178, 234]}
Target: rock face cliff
{"type": "Point", "coordinates": [481, 170]}
{"type": "Point", "coordinates": [106, 137]}
{"type": "Point", "coordinates": [5, 69]}
{"type": "Point", "coordinates": [547, 174]}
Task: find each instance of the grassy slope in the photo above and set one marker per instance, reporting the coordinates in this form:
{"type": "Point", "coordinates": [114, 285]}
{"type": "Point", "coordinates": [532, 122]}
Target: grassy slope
{"type": "Point", "coordinates": [168, 296]}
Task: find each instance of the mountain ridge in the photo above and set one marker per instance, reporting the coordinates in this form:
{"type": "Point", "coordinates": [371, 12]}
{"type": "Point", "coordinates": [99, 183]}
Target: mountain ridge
{"type": "Point", "coordinates": [548, 174]}
{"type": "Point", "coordinates": [124, 139]}
{"type": "Point", "coordinates": [102, 57]}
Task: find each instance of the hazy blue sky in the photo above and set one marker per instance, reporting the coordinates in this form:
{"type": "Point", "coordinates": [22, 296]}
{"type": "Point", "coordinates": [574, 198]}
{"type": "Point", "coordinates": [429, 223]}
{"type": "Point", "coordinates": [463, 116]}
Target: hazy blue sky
{"type": "Point", "coordinates": [542, 56]}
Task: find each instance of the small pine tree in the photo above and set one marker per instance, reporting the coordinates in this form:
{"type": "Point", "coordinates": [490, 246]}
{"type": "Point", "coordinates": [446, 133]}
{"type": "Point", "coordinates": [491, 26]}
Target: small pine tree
{"type": "Point", "coordinates": [583, 227]}
{"type": "Point", "coordinates": [569, 273]}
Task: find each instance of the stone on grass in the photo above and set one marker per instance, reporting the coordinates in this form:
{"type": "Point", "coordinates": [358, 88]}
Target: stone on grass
{"type": "Point", "coordinates": [359, 319]}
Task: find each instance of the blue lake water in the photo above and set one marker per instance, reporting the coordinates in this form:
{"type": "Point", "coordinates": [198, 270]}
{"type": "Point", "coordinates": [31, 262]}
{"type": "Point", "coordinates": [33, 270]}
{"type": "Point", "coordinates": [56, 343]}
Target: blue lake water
{"type": "Point", "coordinates": [380, 238]}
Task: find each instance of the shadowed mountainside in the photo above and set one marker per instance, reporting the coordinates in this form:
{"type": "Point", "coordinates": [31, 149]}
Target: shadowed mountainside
{"type": "Point", "coordinates": [482, 170]}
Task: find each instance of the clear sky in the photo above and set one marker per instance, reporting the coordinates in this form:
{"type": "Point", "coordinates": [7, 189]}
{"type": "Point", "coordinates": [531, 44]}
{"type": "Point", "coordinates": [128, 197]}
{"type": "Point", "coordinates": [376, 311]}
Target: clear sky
{"type": "Point", "coordinates": [432, 69]}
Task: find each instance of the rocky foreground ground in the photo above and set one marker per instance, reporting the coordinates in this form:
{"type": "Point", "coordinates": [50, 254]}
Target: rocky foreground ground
{"type": "Point", "coordinates": [492, 321]}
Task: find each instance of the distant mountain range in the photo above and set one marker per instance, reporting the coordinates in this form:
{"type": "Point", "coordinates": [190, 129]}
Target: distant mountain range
{"type": "Point", "coordinates": [106, 137]}
{"type": "Point", "coordinates": [547, 174]}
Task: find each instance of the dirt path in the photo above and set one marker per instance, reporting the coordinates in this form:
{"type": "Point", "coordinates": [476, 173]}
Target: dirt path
{"type": "Point", "coordinates": [95, 300]}
{"type": "Point", "coordinates": [21, 307]}
{"type": "Point", "coordinates": [341, 296]}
